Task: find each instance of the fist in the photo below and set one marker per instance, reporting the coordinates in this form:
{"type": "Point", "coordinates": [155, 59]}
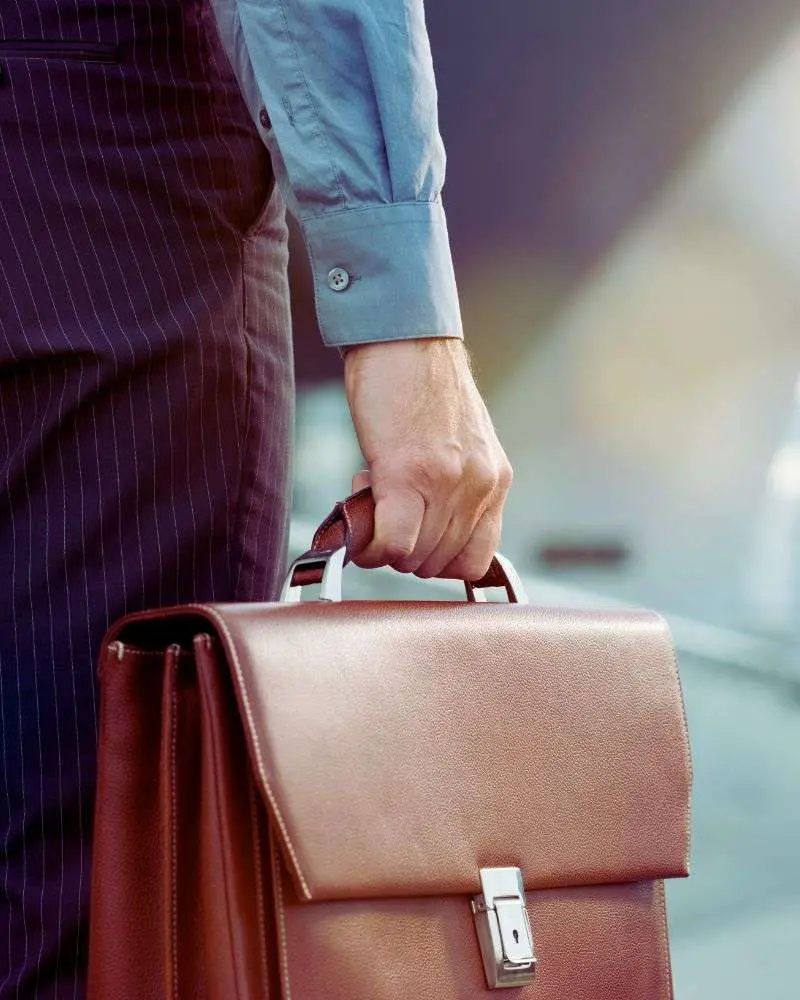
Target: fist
{"type": "Point", "coordinates": [438, 474]}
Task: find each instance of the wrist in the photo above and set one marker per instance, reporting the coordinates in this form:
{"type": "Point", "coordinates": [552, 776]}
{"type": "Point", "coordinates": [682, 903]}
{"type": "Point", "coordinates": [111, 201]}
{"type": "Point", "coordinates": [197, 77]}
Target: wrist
{"type": "Point", "coordinates": [419, 359]}
{"type": "Point", "coordinates": [407, 344]}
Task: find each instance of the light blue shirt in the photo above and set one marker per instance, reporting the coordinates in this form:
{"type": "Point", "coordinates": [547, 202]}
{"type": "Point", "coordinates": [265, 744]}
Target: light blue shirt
{"type": "Point", "coordinates": [344, 97]}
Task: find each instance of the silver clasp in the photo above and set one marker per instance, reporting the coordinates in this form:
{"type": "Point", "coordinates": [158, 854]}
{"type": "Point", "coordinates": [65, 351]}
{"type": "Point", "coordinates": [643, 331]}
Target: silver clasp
{"type": "Point", "coordinates": [504, 930]}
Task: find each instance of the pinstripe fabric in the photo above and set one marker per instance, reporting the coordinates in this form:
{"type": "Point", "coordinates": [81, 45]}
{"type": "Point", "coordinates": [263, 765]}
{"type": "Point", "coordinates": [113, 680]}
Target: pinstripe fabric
{"type": "Point", "coordinates": [145, 402]}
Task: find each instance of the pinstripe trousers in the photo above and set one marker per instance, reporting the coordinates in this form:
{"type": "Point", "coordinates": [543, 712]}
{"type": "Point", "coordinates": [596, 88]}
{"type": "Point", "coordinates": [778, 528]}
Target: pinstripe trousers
{"type": "Point", "coordinates": [145, 400]}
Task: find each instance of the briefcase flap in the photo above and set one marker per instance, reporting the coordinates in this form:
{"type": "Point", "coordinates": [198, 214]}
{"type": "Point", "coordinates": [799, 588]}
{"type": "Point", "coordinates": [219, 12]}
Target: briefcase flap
{"type": "Point", "coordinates": [402, 747]}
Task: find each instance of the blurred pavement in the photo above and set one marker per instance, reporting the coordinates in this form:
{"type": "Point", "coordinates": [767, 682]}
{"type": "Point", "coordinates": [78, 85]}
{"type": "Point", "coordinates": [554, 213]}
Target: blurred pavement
{"type": "Point", "coordinates": [735, 924]}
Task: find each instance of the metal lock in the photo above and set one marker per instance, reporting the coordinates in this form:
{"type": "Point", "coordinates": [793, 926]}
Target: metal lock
{"type": "Point", "coordinates": [504, 931]}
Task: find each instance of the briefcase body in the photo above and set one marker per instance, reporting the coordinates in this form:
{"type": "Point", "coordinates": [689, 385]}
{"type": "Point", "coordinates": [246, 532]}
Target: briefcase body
{"type": "Point", "coordinates": [387, 801]}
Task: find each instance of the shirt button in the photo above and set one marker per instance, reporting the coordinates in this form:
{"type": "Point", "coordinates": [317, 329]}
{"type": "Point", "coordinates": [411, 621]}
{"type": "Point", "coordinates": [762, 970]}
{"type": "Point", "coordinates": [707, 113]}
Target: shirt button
{"type": "Point", "coordinates": [338, 279]}
{"type": "Point", "coordinates": [263, 117]}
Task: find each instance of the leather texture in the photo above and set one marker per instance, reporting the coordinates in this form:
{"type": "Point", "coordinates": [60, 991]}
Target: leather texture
{"type": "Point", "coordinates": [295, 801]}
{"type": "Point", "coordinates": [597, 943]}
{"type": "Point", "coordinates": [404, 745]}
{"type": "Point", "coordinates": [351, 524]}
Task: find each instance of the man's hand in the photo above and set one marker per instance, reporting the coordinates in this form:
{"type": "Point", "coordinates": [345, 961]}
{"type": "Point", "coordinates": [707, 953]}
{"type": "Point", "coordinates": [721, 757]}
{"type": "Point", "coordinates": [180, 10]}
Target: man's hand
{"type": "Point", "coordinates": [437, 471]}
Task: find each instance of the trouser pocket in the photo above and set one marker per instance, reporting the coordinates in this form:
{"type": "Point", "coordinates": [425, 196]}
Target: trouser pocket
{"type": "Point", "coordinates": [58, 48]}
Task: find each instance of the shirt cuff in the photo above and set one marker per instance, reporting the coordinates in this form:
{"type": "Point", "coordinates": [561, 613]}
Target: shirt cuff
{"type": "Point", "coordinates": [383, 273]}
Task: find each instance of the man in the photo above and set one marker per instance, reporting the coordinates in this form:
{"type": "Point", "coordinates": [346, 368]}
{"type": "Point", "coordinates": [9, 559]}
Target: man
{"type": "Point", "coordinates": [145, 373]}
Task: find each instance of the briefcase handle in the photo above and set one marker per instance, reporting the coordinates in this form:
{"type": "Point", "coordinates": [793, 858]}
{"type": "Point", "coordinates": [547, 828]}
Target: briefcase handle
{"type": "Point", "coordinates": [346, 531]}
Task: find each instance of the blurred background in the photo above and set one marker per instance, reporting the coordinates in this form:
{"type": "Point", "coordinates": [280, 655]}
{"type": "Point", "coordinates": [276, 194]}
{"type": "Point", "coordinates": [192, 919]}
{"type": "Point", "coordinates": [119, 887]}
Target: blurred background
{"type": "Point", "coordinates": [623, 197]}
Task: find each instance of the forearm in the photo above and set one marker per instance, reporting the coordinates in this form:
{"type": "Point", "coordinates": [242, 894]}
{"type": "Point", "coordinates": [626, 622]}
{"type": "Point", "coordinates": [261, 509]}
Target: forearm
{"type": "Point", "coordinates": [344, 96]}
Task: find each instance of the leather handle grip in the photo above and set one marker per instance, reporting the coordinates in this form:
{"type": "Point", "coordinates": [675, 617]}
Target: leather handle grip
{"type": "Point", "coordinates": [351, 524]}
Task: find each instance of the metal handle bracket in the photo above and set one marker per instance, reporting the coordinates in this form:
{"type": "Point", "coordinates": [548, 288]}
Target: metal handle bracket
{"type": "Point", "coordinates": [331, 562]}
{"type": "Point", "coordinates": [332, 565]}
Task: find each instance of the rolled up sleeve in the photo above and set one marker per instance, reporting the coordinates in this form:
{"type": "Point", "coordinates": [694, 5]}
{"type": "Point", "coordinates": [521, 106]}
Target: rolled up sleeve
{"type": "Point", "coordinates": [343, 94]}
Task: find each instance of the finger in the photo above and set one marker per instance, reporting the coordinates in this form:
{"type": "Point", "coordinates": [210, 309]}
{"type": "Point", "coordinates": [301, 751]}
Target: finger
{"type": "Point", "coordinates": [453, 541]}
{"type": "Point", "coordinates": [361, 480]}
{"type": "Point", "coordinates": [398, 520]}
{"type": "Point", "coordinates": [473, 561]}
{"type": "Point", "coordinates": [480, 491]}
{"type": "Point", "coordinates": [435, 524]}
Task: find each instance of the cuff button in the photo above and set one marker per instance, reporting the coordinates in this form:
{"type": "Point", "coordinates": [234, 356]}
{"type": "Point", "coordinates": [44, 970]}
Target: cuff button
{"type": "Point", "coordinates": [338, 279]}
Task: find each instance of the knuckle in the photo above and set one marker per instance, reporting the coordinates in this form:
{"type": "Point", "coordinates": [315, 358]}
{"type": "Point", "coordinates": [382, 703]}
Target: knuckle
{"type": "Point", "coordinates": [448, 471]}
{"type": "Point", "coordinates": [418, 472]}
{"type": "Point", "coordinates": [406, 564]}
{"type": "Point", "coordinates": [397, 550]}
{"type": "Point", "coordinates": [475, 566]}
{"type": "Point", "coordinates": [432, 470]}
{"type": "Point", "coordinates": [506, 475]}
{"type": "Point", "coordinates": [484, 476]}
{"type": "Point", "coordinates": [479, 567]}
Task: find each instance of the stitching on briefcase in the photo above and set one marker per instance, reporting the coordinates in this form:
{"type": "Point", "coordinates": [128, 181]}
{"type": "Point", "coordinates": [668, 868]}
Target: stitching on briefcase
{"type": "Point", "coordinates": [664, 936]}
{"type": "Point", "coordinates": [222, 625]}
{"type": "Point", "coordinates": [262, 929]}
{"type": "Point", "coordinates": [174, 827]}
{"type": "Point", "coordinates": [277, 877]}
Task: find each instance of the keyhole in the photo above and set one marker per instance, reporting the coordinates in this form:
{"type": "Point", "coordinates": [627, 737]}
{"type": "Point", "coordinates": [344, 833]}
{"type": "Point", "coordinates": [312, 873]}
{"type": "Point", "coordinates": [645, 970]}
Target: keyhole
{"type": "Point", "coordinates": [516, 937]}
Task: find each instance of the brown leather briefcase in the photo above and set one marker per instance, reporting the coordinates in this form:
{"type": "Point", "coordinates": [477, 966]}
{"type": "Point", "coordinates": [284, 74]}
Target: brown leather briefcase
{"type": "Point", "coordinates": [386, 801]}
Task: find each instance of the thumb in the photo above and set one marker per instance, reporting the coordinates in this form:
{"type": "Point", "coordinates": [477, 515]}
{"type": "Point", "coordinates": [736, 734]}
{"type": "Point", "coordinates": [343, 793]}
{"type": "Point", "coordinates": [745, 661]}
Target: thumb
{"type": "Point", "coordinates": [361, 480]}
